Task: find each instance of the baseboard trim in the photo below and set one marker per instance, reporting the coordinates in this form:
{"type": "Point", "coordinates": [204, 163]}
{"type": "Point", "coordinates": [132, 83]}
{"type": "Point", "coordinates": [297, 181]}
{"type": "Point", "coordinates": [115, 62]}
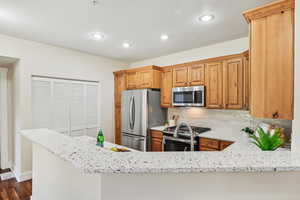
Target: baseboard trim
{"type": "Point", "coordinates": [25, 176]}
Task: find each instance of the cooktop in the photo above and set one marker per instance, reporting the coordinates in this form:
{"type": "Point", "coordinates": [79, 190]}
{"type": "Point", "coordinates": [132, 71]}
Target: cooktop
{"type": "Point", "coordinates": [184, 131]}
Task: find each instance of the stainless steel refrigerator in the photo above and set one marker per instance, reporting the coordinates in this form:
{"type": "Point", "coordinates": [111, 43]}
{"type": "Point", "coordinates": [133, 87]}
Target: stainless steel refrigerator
{"type": "Point", "coordinates": [141, 110]}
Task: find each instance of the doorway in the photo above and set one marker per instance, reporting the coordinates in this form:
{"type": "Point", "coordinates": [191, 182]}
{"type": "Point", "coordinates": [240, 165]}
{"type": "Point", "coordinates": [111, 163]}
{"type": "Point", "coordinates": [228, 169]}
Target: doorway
{"type": "Point", "coordinates": [3, 120]}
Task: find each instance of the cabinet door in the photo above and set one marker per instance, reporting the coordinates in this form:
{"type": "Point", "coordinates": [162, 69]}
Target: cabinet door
{"type": "Point", "coordinates": [117, 124]}
{"type": "Point", "coordinates": [180, 76]}
{"type": "Point", "coordinates": [246, 83]}
{"type": "Point", "coordinates": [166, 88]}
{"type": "Point", "coordinates": [224, 145]}
{"type": "Point", "coordinates": [272, 68]}
{"type": "Point", "coordinates": [131, 82]}
{"type": "Point", "coordinates": [201, 148]}
{"type": "Point", "coordinates": [196, 74]}
{"type": "Point", "coordinates": [156, 144]}
{"type": "Point", "coordinates": [233, 83]}
{"type": "Point", "coordinates": [145, 79]}
{"type": "Point", "coordinates": [214, 85]}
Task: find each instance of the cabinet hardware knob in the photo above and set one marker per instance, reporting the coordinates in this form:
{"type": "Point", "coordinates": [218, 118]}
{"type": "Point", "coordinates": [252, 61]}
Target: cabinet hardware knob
{"type": "Point", "coordinates": [275, 115]}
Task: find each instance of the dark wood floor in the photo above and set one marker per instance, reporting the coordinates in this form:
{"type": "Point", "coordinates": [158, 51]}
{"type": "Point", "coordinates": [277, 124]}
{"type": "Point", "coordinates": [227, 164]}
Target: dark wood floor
{"type": "Point", "coordinates": [12, 190]}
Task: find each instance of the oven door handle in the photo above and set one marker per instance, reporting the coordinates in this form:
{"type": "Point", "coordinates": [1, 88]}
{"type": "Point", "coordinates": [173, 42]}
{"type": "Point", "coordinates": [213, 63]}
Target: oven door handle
{"type": "Point", "coordinates": [177, 140]}
{"type": "Point", "coordinates": [163, 143]}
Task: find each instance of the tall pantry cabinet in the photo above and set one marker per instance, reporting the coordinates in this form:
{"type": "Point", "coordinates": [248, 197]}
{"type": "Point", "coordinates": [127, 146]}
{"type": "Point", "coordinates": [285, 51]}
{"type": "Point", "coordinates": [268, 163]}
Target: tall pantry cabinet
{"type": "Point", "coordinates": [120, 85]}
{"type": "Point", "coordinates": [271, 59]}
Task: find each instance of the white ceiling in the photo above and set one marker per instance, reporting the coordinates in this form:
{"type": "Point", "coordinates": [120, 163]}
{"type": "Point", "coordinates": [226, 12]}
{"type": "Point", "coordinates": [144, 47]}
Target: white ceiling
{"type": "Point", "coordinates": [68, 23]}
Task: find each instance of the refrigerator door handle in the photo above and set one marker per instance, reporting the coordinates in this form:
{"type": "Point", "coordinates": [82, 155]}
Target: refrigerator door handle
{"type": "Point", "coordinates": [133, 112]}
{"type": "Point", "coordinates": [130, 113]}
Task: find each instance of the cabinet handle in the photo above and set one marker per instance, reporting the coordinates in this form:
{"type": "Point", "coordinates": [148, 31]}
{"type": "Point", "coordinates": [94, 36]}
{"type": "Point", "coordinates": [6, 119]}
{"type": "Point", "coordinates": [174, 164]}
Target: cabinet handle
{"type": "Point", "coordinates": [275, 115]}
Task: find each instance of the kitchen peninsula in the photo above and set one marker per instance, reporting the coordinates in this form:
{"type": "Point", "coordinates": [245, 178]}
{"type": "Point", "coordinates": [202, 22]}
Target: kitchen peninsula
{"type": "Point", "coordinates": [82, 166]}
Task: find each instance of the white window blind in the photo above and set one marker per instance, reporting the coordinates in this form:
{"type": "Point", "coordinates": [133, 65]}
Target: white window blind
{"type": "Point", "coordinates": [69, 107]}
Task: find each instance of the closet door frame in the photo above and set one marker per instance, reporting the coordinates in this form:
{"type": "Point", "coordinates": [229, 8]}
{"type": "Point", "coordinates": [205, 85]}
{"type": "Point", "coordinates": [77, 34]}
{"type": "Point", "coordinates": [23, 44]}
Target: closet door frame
{"type": "Point", "coordinates": [4, 119]}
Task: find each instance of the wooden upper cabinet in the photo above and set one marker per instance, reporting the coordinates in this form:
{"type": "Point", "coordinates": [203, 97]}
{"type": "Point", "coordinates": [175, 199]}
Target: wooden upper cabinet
{"type": "Point", "coordinates": [196, 74]}
{"type": "Point", "coordinates": [271, 60]}
{"type": "Point", "coordinates": [189, 74]}
{"type": "Point", "coordinates": [233, 84]}
{"type": "Point", "coordinates": [166, 87]}
{"type": "Point", "coordinates": [214, 85]}
{"type": "Point", "coordinates": [144, 77]}
{"type": "Point", "coordinates": [131, 80]}
{"type": "Point", "coordinates": [180, 76]}
{"type": "Point", "coordinates": [246, 79]}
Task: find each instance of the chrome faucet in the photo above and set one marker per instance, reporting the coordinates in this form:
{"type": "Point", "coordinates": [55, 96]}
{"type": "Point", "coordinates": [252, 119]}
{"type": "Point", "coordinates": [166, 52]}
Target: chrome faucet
{"type": "Point", "coordinates": [190, 130]}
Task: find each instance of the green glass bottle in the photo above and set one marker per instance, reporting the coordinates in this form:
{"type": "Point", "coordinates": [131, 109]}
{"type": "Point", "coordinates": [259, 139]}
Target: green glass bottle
{"type": "Point", "coordinates": [100, 138]}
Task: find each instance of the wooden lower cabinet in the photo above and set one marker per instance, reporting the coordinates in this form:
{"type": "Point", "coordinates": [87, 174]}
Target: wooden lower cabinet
{"type": "Point", "coordinates": [224, 144]}
{"type": "Point", "coordinates": [156, 141]}
{"type": "Point", "coordinates": [202, 148]}
{"type": "Point", "coordinates": [207, 144]}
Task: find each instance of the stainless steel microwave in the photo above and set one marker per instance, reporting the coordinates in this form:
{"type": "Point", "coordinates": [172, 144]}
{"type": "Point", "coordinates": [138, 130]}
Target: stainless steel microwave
{"type": "Point", "coordinates": [188, 96]}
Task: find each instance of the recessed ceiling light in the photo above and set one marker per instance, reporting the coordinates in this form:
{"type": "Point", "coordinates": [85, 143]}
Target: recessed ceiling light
{"type": "Point", "coordinates": [97, 36]}
{"type": "Point", "coordinates": [206, 18]}
{"type": "Point", "coordinates": [164, 37]}
{"type": "Point", "coordinates": [126, 45]}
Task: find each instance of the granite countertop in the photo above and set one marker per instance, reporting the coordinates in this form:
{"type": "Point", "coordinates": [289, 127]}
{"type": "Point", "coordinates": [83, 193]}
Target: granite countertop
{"type": "Point", "coordinates": [158, 128]}
{"type": "Point", "coordinates": [91, 159]}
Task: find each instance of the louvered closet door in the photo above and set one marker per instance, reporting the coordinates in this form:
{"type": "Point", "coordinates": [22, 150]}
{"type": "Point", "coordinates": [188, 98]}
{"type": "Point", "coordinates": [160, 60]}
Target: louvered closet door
{"type": "Point", "coordinates": [77, 109]}
{"type": "Point", "coordinates": [61, 107]}
{"type": "Point", "coordinates": [41, 103]}
{"type": "Point", "coordinates": [92, 109]}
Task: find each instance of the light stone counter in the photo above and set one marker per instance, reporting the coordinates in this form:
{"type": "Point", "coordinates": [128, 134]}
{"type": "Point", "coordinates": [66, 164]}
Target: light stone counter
{"type": "Point", "coordinates": [158, 128]}
{"type": "Point", "coordinates": [82, 153]}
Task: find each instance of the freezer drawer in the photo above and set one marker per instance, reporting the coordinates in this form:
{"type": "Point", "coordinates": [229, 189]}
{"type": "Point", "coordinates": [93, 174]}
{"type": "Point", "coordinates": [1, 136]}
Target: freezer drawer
{"type": "Point", "coordinates": [134, 142]}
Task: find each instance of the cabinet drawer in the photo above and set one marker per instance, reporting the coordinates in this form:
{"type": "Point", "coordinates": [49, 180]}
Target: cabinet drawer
{"type": "Point", "coordinates": [224, 144]}
{"type": "Point", "coordinates": [211, 143]}
{"type": "Point", "coordinates": [201, 148]}
{"type": "Point", "coordinates": [156, 145]}
{"type": "Point", "coordinates": [157, 134]}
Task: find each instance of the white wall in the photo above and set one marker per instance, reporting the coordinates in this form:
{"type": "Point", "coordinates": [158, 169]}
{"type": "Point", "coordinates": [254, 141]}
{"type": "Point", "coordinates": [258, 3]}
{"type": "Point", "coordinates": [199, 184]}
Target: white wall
{"type": "Point", "coordinates": [41, 59]}
{"type": "Point", "coordinates": [220, 49]}
{"type": "Point", "coordinates": [296, 122]}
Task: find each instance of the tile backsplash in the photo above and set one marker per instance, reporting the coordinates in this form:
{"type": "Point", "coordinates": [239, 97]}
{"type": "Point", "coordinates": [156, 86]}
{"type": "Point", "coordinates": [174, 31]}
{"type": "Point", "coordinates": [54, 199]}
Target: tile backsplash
{"type": "Point", "coordinates": [220, 120]}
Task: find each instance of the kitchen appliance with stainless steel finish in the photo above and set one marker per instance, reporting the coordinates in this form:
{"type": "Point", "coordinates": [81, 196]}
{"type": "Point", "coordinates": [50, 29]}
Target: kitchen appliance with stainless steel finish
{"type": "Point", "coordinates": [182, 138]}
{"type": "Point", "coordinates": [140, 110]}
{"type": "Point", "coordinates": [188, 96]}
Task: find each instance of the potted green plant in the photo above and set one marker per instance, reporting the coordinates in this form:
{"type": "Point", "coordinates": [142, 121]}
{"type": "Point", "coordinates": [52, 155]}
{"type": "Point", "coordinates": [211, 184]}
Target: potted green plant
{"type": "Point", "coordinates": [267, 140]}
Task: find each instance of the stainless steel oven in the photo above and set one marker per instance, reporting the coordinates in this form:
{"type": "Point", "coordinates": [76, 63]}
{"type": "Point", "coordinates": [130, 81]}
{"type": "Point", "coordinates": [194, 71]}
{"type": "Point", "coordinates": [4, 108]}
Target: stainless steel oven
{"type": "Point", "coordinates": [188, 96]}
{"type": "Point", "coordinates": [177, 144]}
